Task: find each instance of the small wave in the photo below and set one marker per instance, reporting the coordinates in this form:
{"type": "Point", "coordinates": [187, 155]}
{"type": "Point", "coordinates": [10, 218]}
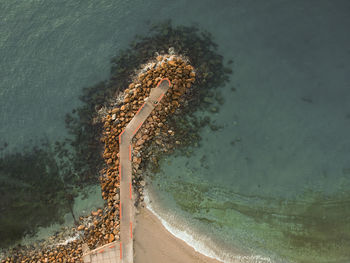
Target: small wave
{"type": "Point", "coordinates": [200, 244]}
{"type": "Point", "coordinates": [68, 240]}
{"type": "Point", "coordinates": [183, 235]}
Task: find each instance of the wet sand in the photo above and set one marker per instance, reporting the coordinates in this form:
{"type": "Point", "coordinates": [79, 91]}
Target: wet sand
{"type": "Point", "coordinates": [154, 244]}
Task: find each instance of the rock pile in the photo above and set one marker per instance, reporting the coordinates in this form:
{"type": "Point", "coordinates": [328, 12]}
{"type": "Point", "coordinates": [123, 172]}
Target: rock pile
{"type": "Point", "coordinates": [102, 226]}
{"type": "Point", "coordinates": [181, 75]}
{"type": "Point", "coordinates": [172, 125]}
{"type": "Point", "coordinates": [62, 253]}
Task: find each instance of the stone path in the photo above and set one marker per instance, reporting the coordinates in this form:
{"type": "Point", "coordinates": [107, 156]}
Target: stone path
{"type": "Point", "coordinates": [125, 169]}
{"type": "Point", "coordinates": [109, 253]}
{"type": "Point", "coordinates": [123, 251]}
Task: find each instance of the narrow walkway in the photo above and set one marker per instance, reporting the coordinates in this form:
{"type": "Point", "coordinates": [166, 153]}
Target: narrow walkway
{"type": "Point", "coordinates": [125, 169]}
{"type": "Point", "coordinates": [108, 253]}
{"type": "Point", "coordinates": [122, 251]}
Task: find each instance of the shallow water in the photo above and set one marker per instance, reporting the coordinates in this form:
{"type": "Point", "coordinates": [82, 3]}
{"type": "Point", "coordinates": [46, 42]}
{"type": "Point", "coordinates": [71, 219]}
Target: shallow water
{"type": "Point", "coordinates": [275, 178]}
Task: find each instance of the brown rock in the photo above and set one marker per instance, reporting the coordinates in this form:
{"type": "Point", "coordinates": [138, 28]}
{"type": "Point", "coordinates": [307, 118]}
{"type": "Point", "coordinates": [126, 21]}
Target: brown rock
{"type": "Point", "coordinates": [136, 159]}
{"type": "Point", "coordinates": [115, 110]}
{"type": "Point", "coordinates": [111, 238]}
{"type": "Point", "coordinates": [172, 63]}
{"type": "Point", "coordinates": [140, 142]}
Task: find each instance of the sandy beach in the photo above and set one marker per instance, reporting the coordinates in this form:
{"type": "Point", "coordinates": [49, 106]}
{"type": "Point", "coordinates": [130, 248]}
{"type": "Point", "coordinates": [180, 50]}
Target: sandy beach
{"type": "Point", "coordinates": [154, 244]}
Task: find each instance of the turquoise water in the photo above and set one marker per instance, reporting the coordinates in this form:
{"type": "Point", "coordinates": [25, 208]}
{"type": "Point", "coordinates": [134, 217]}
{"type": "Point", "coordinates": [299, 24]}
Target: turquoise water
{"type": "Point", "coordinates": [275, 178]}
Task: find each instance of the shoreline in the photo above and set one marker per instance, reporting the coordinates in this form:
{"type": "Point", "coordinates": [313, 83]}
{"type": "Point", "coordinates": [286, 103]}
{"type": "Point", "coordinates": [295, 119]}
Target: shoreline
{"type": "Point", "coordinates": [194, 241]}
{"type": "Point", "coordinates": [158, 135]}
{"type": "Point", "coordinates": [181, 234]}
{"type": "Point", "coordinates": [154, 243]}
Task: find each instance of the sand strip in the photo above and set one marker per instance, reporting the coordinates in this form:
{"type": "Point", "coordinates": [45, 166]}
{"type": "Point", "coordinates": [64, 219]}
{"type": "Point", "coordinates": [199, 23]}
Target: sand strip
{"type": "Point", "coordinates": [154, 244]}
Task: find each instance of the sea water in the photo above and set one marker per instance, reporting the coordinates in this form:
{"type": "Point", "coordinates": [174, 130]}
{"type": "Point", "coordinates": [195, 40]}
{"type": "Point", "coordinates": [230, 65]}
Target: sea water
{"type": "Point", "coordinates": [272, 182]}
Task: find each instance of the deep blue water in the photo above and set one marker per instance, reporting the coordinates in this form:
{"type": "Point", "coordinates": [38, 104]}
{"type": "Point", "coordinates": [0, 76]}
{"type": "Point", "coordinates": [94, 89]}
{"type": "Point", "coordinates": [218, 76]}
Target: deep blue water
{"type": "Point", "coordinates": [275, 179]}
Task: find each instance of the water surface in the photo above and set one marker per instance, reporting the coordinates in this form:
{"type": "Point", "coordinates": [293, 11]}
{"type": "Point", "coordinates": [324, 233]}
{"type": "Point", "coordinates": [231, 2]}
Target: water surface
{"type": "Point", "coordinates": [275, 178]}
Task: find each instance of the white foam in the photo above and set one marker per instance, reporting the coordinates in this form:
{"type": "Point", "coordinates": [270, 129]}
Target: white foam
{"type": "Point", "coordinates": [68, 240]}
{"type": "Point", "coordinates": [154, 63]}
{"type": "Point", "coordinates": [189, 239]}
{"type": "Point", "coordinates": [200, 244]}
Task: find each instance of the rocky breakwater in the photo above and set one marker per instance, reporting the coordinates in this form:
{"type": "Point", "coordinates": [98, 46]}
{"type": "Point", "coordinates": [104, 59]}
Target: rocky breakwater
{"type": "Point", "coordinates": [102, 226]}
{"type": "Point", "coordinates": [181, 76]}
